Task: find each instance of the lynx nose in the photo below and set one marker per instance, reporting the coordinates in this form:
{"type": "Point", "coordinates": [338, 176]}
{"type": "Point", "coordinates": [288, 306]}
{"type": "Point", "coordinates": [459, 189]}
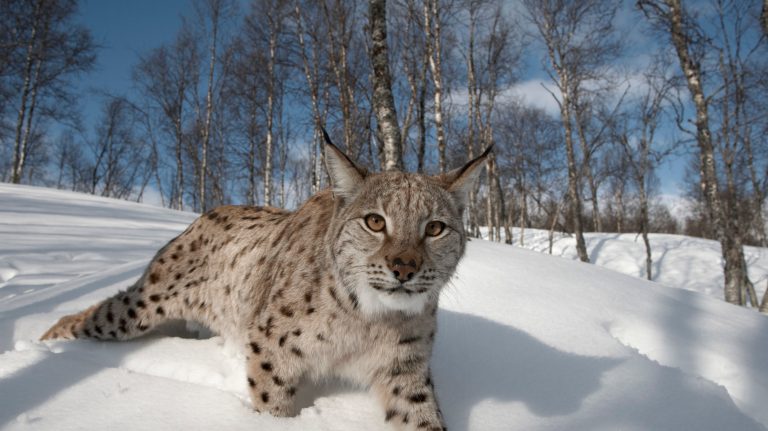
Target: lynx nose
{"type": "Point", "coordinates": [404, 266]}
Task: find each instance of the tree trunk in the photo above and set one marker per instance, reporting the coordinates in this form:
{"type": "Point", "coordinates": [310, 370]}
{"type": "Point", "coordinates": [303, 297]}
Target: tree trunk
{"type": "Point", "coordinates": [383, 99]}
{"type": "Point", "coordinates": [551, 235]}
{"type": "Point", "coordinates": [314, 177]}
{"type": "Point", "coordinates": [492, 209]}
{"type": "Point", "coordinates": [269, 144]}
{"type": "Point", "coordinates": [471, 88]}
{"type": "Point", "coordinates": [574, 196]}
{"type": "Point", "coordinates": [620, 209]}
{"type": "Point", "coordinates": [30, 78]}
{"type": "Point", "coordinates": [498, 214]}
{"type": "Point", "coordinates": [735, 271]}
{"type": "Point", "coordinates": [179, 164]}
{"type": "Point", "coordinates": [337, 51]}
{"type": "Point", "coordinates": [208, 111]}
{"type": "Point", "coordinates": [523, 213]}
{"type": "Point", "coordinates": [587, 160]}
{"type": "Point", "coordinates": [432, 27]}
{"type": "Point", "coordinates": [283, 149]}
{"type": "Point", "coordinates": [156, 169]}
{"type": "Point", "coordinates": [421, 118]}
{"type": "Point", "coordinates": [312, 83]}
{"type": "Point", "coordinates": [24, 147]}
{"type": "Point", "coordinates": [644, 219]}
{"type": "Point", "coordinates": [596, 221]}
{"type": "Point", "coordinates": [490, 196]}
{"type": "Point", "coordinates": [252, 197]}
{"type": "Point", "coordinates": [508, 221]}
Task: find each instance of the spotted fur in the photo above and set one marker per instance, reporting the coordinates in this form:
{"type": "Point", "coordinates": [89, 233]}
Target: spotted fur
{"type": "Point", "coordinates": [313, 292]}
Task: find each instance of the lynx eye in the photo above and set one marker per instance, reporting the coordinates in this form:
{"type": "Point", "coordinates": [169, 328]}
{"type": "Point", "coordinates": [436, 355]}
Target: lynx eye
{"type": "Point", "coordinates": [434, 228]}
{"type": "Point", "coordinates": [375, 222]}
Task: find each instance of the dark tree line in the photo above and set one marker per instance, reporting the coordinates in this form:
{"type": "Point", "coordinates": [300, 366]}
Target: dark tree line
{"type": "Point", "coordinates": [231, 109]}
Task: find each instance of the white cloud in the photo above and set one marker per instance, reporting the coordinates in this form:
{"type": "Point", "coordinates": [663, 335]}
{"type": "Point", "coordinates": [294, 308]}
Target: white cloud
{"type": "Point", "coordinates": [533, 93]}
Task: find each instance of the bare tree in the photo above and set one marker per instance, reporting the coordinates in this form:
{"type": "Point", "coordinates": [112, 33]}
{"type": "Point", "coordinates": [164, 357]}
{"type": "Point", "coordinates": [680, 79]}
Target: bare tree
{"type": "Point", "coordinates": [166, 77]}
{"type": "Point", "coordinates": [490, 55]}
{"type": "Point", "coordinates": [640, 150]}
{"type": "Point", "coordinates": [577, 36]}
{"type": "Point", "coordinates": [740, 111]}
{"type": "Point", "coordinates": [245, 92]}
{"type": "Point", "coordinates": [275, 18]}
{"type": "Point", "coordinates": [55, 50]}
{"type": "Point", "coordinates": [434, 46]}
{"type": "Point", "coordinates": [349, 66]}
{"type": "Point", "coordinates": [473, 11]}
{"type": "Point", "coordinates": [310, 62]}
{"type": "Point", "coordinates": [590, 109]}
{"type": "Point", "coordinates": [118, 155]}
{"type": "Point", "coordinates": [528, 156]}
{"type": "Point", "coordinates": [383, 99]}
{"type": "Point", "coordinates": [498, 61]}
{"type": "Point", "coordinates": [71, 162]}
{"type": "Point", "coordinates": [409, 47]}
{"type": "Point", "coordinates": [255, 93]}
{"type": "Point", "coordinates": [690, 46]}
{"type": "Point", "coordinates": [212, 12]}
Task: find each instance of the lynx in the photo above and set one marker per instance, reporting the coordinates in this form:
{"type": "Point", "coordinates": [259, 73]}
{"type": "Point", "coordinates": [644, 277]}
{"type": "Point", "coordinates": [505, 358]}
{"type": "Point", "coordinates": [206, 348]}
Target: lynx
{"type": "Point", "coordinates": [345, 286]}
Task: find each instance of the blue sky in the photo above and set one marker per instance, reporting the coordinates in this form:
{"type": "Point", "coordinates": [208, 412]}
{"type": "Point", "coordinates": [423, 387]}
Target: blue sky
{"type": "Point", "coordinates": [124, 30]}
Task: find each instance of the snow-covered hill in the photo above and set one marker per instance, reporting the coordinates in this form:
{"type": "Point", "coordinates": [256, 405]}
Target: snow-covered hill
{"type": "Point", "coordinates": [526, 341]}
{"type": "Point", "coordinates": [678, 261]}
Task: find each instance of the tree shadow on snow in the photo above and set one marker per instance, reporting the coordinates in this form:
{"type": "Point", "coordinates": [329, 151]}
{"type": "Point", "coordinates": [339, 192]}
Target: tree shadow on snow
{"type": "Point", "coordinates": [596, 249]}
{"type": "Point", "coordinates": [123, 275]}
{"type": "Point", "coordinates": [73, 362]}
{"type": "Point", "coordinates": [477, 359]}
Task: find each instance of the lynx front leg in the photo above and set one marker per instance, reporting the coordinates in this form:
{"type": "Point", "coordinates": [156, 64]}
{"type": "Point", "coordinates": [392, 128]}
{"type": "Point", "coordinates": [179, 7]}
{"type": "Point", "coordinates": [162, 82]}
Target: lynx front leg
{"type": "Point", "coordinates": [272, 378]}
{"type": "Point", "coordinates": [409, 397]}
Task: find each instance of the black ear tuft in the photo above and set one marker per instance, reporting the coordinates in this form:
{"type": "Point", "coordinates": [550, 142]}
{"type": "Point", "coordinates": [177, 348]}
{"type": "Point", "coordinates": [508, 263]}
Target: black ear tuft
{"type": "Point", "coordinates": [346, 175]}
{"type": "Point", "coordinates": [459, 181]}
{"type": "Point", "coordinates": [326, 138]}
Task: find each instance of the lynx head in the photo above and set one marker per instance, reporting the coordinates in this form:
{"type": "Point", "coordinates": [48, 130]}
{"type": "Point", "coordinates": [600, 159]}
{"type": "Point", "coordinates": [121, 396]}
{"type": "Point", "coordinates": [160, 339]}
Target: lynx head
{"type": "Point", "coordinates": [396, 237]}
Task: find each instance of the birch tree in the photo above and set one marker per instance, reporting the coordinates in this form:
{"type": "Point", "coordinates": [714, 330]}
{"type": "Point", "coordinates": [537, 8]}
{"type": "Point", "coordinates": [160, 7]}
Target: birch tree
{"type": "Point", "coordinates": [51, 50]}
{"type": "Point", "coordinates": [689, 44]}
{"type": "Point", "coordinates": [265, 28]}
{"type": "Point", "coordinates": [166, 77]}
{"type": "Point", "coordinates": [383, 99]}
{"type": "Point", "coordinates": [637, 135]}
{"type": "Point", "coordinates": [118, 154]}
{"type": "Point", "coordinates": [310, 53]}
{"type": "Point", "coordinates": [211, 13]}
{"type": "Point", "coordinates": [434, 47]}
{"type": "Point", "coordinates": [576, 36]}
{"type": "Point", "coordinates": [349, 66]}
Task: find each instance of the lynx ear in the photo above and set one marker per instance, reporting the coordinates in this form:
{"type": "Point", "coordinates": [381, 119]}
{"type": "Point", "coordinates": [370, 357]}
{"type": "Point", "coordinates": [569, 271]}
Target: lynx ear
{"type": "Point", "coordinates": [459, 181]}
{"type": "Point", "coordinates": [346, 175]}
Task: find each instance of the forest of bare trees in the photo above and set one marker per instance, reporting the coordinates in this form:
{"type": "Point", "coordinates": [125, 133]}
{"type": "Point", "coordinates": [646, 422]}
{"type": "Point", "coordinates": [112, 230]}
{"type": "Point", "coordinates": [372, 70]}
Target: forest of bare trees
{"type": "Point", "coordinates": [232, 108]}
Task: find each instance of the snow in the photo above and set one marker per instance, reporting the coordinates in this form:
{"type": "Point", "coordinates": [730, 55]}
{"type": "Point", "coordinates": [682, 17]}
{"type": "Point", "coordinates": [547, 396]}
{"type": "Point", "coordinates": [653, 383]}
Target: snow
{"type": "Point", "coordinates": [678, 261]}
{"type": "Point", "coordinates": [525, 341]}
